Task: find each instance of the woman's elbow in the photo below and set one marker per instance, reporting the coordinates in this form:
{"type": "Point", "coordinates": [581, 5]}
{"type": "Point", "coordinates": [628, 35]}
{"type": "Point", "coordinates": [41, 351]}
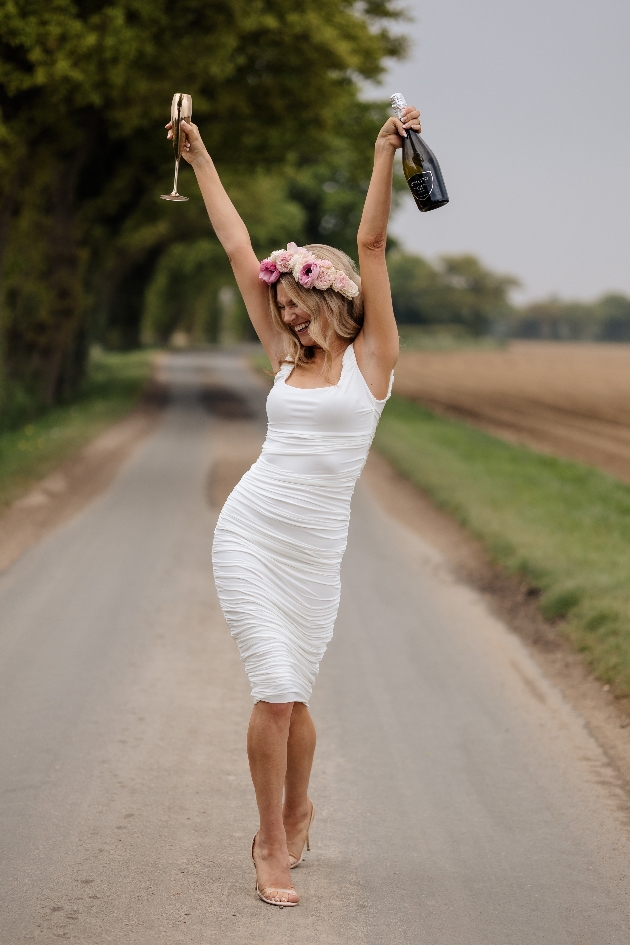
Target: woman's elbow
{"type": "Point", "coordinates": [236, 248]}
{"type": "Point", "coordinates": [372, 243]}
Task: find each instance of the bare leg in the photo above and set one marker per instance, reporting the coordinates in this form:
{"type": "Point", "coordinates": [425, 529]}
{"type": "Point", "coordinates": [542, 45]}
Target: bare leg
{"type": "Point", "coordinates": [267, 751]}
{"type": "Point", "coordinates": [300, 750]}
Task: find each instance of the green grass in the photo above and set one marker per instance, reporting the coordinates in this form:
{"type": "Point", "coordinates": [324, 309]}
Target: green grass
{"type": "Point", "coordinates": [261, 363]}
{"type": "Point", "coordinates": [563, 526]}
{"type": "Point", "coordinates": [113, 386]}
{"type": "Point", "coordinates": [443, 338]}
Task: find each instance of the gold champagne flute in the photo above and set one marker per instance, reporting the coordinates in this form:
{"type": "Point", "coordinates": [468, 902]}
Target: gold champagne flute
{"type": "Point", "coordinates": [181, 110]}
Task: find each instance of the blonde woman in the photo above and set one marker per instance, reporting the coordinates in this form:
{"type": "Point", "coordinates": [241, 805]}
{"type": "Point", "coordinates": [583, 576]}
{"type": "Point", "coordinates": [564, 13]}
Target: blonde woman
{"type": "Point", "coordinates": [331, 337]}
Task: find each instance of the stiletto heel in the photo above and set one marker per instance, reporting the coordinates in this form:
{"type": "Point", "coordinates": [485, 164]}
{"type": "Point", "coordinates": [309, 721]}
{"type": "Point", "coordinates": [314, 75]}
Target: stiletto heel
{"type": "Point", "coordinates": [264, 893]}
{"type": "Point", "coordinates": [307, 843]}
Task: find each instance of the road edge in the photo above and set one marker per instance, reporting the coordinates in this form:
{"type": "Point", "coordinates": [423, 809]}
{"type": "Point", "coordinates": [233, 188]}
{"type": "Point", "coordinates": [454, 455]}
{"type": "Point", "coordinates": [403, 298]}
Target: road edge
{"type": "Point", "coordinates": [79, 480]}
{"type": "Point", "coordinates": [607, 717]}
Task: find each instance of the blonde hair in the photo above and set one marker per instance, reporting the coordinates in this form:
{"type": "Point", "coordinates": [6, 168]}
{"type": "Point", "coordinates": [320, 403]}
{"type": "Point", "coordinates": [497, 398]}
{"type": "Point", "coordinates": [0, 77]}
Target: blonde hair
{"type": "Point", "coordinates": [332, 315]}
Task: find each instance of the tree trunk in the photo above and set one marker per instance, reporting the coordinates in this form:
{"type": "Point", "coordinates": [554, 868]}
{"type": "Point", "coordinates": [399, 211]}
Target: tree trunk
{"type": "Point", "coordinates": [44, 325]}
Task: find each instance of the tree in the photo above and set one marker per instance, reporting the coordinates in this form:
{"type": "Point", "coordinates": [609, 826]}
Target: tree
{"type": "Point", "coordinates": [416, 289]}
{"type": "Point", "coordinates": [459, 290]}
{"type": "Point", "coordinates": [556, 320]}
{"type": "Point", "coordinates": [473, 296]}
{"type": "Point", "coordinates": [607, 319]}
{"type": "Point", "coordinates": [319, 200]}
{"type": "Point", "coordinates": [332, 185]}
{"type": "Point", "coordinates": [613, 312]}
{"type": "Point", "coordinates": [187, 288]}
{"type": "Point", "coordinates": [84, 90]}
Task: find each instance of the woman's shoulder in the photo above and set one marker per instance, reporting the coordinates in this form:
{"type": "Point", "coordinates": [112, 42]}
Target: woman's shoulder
{"type": "Point", "coordinates": [285, 368]}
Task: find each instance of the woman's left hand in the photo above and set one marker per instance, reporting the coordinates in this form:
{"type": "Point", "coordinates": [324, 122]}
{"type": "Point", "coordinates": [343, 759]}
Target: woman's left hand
{"type": "Point", "coordinates": [394, 130]}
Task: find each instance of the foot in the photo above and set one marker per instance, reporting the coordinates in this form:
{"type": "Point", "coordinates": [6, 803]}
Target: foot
{"type": "Point", "coordinates": [273, 877]}
{"type": "Point", "coordinates": [296, 827]}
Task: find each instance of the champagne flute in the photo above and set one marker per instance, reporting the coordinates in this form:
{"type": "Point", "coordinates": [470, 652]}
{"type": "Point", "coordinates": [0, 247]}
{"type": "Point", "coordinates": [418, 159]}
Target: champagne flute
{"type": "Point", "coordinates": [181, 110]}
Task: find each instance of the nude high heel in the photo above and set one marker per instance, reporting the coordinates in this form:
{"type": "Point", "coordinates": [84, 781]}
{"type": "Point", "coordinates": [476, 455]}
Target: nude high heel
{"type": "Point", "coordinates": [264, 893]}
{"type": "Point", "coordinates": [307, 843]}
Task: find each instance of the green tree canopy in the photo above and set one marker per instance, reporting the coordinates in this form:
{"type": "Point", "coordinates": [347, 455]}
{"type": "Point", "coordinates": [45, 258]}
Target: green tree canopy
{"type": "Point", "coordinates": [85, 88]}
{"type": "Point", "coordinates": [457, 290]}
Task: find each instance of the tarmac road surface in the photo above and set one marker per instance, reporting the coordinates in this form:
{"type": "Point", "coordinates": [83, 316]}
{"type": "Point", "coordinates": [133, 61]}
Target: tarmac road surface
{"type": "Point", "coordinates": [459, 800]}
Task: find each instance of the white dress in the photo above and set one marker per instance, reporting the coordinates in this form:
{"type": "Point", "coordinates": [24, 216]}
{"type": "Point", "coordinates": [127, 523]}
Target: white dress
{"type": "Point", "coordinates": [282, 533]}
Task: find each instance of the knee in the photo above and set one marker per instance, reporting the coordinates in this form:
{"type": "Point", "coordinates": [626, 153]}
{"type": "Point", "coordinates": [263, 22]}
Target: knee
{"type": "Point", "coordinates": [278, 713]}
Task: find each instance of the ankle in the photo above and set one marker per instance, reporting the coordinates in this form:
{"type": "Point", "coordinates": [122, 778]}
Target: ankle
{"type": "Point", "coordinates": [296, 811]}
{"type": "Point", "coordinates": [271, 844]}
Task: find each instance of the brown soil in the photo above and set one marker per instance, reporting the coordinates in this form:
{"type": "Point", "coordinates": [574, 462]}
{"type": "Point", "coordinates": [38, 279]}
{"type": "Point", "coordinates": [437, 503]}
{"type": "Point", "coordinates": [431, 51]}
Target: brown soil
{"type": "Point", "coordinates": [63, 493]}
{"type": "Point", "coordinates": [565, 398]}
{"type": "Point", "coordinates": [607, 717]}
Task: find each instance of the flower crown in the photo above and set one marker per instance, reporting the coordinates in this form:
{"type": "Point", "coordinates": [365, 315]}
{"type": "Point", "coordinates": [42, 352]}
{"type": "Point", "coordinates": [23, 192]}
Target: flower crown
{"type": "Point", "coordinates": [308, 271]}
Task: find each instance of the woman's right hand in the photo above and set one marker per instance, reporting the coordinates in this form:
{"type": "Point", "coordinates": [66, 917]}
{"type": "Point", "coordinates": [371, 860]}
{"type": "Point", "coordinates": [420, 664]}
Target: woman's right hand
{"type": "Point", "coordinates": [193, 145]}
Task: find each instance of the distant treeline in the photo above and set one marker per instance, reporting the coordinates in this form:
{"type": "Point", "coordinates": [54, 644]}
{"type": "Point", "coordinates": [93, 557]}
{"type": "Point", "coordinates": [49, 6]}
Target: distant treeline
{"type": "Point", "coordinates": [607, 319]}
{"type": "Point", "coordinates": [461, 292]}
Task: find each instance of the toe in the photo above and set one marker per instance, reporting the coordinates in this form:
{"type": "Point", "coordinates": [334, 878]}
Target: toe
{"type": "Point", "coordinates": [284, 895]}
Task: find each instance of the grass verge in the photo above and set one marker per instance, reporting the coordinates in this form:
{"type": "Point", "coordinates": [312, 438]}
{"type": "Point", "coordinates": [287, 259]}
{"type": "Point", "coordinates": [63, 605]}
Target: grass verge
{"type": "Point", "coordinates": [444, 338]}
{"type": "Point", "coordinates": [112, 387]}
{"type": "Point", "coordinates": [563, 526]}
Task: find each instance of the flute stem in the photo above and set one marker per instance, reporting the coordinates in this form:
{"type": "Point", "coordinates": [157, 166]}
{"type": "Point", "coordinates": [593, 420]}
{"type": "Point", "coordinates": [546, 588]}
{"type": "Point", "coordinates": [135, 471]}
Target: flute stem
{"type": "Point", "coordinates": [176, 175]}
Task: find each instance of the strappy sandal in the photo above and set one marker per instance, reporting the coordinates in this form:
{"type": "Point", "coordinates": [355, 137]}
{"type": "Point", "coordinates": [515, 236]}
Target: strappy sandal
{"type": "Point", "coordinates": [263, 894]}
{"type": "Point", "coordinates": [307, 842]}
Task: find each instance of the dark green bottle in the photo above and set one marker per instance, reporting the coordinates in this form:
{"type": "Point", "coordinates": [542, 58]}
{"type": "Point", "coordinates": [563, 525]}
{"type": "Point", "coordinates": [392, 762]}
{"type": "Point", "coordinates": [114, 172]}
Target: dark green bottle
{"type": "Point", "coordinates": [420, 166]}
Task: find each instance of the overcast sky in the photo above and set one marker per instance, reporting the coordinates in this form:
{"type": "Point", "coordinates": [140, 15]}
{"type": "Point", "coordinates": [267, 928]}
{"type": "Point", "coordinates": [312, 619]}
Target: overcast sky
{"type": "Point", "coordinates": [526, 107]}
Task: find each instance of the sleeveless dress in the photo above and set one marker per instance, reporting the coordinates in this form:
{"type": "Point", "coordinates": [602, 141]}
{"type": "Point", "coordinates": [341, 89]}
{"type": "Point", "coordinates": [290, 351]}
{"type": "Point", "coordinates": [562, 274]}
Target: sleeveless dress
{"type": "Point", "coordinates": [282, 532]}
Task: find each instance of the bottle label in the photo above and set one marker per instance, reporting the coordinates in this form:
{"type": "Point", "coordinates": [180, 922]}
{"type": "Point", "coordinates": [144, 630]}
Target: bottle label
{"type": "Point", "coordinates": [421, 185]}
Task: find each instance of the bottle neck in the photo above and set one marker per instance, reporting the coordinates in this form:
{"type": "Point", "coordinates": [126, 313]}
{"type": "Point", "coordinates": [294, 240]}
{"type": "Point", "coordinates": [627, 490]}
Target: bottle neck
{"type": "Point", "coordinates": [414, 138]}
{"type": "Point", "coordinates": [398, 103]}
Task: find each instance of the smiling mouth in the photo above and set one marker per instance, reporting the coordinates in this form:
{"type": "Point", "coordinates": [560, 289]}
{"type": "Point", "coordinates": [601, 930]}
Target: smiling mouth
{"type": "Point", "coordinates": [301, 327]}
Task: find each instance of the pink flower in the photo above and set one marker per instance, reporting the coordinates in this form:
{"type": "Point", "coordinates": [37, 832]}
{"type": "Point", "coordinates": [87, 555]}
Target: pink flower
{"type": "Point", "coordinates": [293, 248]}
{"type": "Point", "coordinates": [308, 274]}
{"type": "Point", "coordinates": [345, 286]}
{"type": "Point", "coordinates": [341, 282]}
{"type": "Point", "coordinates": [283, 260]}
{"type": "Point", "coordinates": [269, 272]}
{"type": "Point", "coordinates": [325, 276]}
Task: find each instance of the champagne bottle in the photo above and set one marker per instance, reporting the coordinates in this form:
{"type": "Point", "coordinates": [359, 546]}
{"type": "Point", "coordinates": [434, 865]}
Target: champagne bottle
{"type": "Point", "coordinates": [420, 166]}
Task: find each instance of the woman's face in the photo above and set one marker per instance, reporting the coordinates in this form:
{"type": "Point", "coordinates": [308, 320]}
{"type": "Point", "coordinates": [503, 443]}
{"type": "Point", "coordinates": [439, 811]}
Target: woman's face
{"type": "Point", "coordinates": [295, 317]}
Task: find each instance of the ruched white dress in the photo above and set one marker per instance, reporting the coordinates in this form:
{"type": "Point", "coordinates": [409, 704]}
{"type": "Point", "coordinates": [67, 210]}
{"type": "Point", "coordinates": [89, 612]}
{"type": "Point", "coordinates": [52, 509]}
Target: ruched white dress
{"type": "Point", "coordinates": [282, 533]}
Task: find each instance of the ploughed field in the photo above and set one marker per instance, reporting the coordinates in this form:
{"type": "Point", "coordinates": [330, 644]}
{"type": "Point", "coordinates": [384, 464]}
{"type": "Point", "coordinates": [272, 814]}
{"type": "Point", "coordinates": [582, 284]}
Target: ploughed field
{"type": "Point", "coordinates": [569, 399]}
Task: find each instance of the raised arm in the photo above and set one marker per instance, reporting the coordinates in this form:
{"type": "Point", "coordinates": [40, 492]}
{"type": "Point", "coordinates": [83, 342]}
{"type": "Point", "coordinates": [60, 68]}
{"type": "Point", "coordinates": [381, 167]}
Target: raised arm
{"type": "Point", "coordinates": [233, 236]}
{"type": "Point", "coordinates": [377, 344]}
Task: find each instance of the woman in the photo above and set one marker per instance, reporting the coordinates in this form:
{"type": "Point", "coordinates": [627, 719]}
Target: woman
{"type": "Point", "coordinates": [331, 337]}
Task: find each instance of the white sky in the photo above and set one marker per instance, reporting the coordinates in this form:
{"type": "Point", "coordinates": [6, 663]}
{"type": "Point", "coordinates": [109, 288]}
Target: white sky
{"type": "Point", "coordinates": [526, 106]}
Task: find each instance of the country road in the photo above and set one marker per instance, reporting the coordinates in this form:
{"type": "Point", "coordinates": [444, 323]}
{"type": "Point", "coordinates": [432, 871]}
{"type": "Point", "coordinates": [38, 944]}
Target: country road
{"type": "Point", "coordinates": [460, 800]}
